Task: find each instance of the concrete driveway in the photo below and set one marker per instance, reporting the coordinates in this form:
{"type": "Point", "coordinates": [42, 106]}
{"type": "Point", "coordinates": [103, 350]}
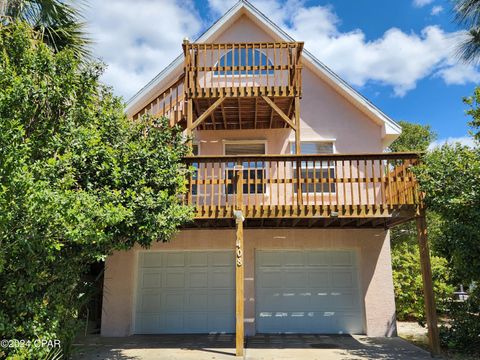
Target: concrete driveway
{"type": "Point", "coordinates": [262, 347]}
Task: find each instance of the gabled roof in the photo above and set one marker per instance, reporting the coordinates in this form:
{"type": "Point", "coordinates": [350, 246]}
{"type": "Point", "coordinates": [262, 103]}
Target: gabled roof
{"type": "Point", "coordinates": [390, 129]}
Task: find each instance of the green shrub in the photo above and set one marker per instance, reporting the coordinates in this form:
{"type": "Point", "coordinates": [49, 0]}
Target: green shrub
{"type": "Point", "coordinates": [408, 284]}
{"type": "Point", "coordinates": [462, 331]}
{"type": "Point", "coordinates": [78, 180]}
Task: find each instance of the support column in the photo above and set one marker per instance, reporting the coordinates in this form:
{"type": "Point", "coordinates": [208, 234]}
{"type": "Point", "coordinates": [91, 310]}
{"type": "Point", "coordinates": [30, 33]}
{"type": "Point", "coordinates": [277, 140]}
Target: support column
{"type": "Point", "coordinates": [189, 122]}
{"type": "Point", "coordinates": [430, 308]}
{"type": "Point", "coordinates": [298, 150]}
{"type": "Point", "coordinates": [239, 266]}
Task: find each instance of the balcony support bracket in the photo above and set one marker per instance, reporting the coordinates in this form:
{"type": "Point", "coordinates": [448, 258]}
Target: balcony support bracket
{"type": "Point", "coordinates": [279, 112]}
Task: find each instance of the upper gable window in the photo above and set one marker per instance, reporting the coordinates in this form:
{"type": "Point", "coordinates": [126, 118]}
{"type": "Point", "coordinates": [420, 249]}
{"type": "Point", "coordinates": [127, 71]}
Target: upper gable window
{"type": "Point", "coordinates": [245, 58]}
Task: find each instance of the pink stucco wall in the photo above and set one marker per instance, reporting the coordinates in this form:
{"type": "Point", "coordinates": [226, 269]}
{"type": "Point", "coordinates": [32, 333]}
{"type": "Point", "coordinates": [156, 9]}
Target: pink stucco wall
{"type": "Point", "coordinates": [372, 246]}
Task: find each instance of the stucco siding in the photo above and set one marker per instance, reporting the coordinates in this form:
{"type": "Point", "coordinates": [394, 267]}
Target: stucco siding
{"type": "Point", "coordinates": [372, 247]}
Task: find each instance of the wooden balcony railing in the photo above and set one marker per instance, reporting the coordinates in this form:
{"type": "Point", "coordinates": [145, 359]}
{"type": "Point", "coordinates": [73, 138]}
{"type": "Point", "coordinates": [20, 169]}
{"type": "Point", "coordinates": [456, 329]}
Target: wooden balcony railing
{"type": "Point", "coordinates": [276, 186]}
{"type": "Point", "coordinates": [243, 69]}
{"type": "Point", "coordinates": [170, 103]}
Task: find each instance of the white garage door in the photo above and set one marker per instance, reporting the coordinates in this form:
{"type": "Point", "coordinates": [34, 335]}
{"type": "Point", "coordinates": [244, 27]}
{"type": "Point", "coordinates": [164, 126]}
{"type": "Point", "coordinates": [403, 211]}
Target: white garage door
{"type": "Point", "coordinates": [185, 292]}
{"type": "Point", "coordinates": [307, 292]}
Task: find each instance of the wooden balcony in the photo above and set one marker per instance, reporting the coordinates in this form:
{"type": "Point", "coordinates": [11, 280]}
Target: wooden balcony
{"type": "Point", "coordinates": [374, 190]}
{"type": "Point", "coordinates": [234, 86]}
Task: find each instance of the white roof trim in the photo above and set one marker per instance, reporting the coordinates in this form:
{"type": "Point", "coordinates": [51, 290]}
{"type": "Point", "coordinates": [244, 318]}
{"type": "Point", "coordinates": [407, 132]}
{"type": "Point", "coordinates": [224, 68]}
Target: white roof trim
{"type": "Point", "coordinates": [390, 129]}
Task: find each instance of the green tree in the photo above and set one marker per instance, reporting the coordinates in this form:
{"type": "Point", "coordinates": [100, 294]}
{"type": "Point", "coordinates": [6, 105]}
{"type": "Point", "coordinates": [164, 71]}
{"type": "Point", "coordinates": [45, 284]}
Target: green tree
{"type": "Point", "coordinates": [414, 137]}
{"type": "Point", "coordinates": [450, 177]}
{"type": "Point", "coordinates": [57, 23]}
{"type": "Point", "coordinates": [407, 277]}
{"type": "Point", "coordinates": [78, 180]}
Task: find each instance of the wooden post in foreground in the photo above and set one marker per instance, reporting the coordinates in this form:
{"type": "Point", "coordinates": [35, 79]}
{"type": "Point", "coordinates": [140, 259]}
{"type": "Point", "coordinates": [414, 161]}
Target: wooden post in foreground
{"type": "Point", "coordinates": [239, 266]}
{"type": "Point", "coordinates": [430, 308]}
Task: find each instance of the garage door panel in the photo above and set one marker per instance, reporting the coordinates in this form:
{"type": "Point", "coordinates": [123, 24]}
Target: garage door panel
{"type": "Point", "coordinates": [217, 322]}
{"type": "Point", "coordinates": [151, 279]}
{"type": "Point", "coordinates": [221, 300]}
{"type": "Point", "coordinates": [220, 278]}
{"type": "Point", "coordinates": [175, 279]}
{"type": "Point", "coordinates": [174, 259]}
{"type": "Point", "coordinates": [318, 278]}
{"type": "Point", "coordinates": [294, 258]}
{"type": "Point", "coordinates": [196, 301]}
{"type": "Point", "coordinates": [343, 278]}
{"type": "Point", "coordinates": [339, 258]}
{"type": "Point", "coordinates": [269, 278]}
{"type": "Point", "coordinates": [149, 323]}
{"type": "Point", "coordinates": [151, 260]}
{"type": "Point", "coordinates": [149, 302]}
{"type": "Point", "coordinates": [197, 259]}
{"type": "Point", "coordinates": [173, 321]}
{"type": "Point", "coordinates": [172, 301]}
{"type": "Point", "coordinates": [317, 292]}
{"type": "Point", "coordinates": [185, 292]}
{"type": "Point", "coordinates": [268, 258]}
{"type": "Point", "coordinates": [197, 279]}
{"type": "Point", "coordinates": [295, 279]}
{"type": "Point", "coordinates": [220, 259]}
{"type": "Point", "coordinates": [317, 258]}
{"type": "Point", "coordinates": [196, 321]}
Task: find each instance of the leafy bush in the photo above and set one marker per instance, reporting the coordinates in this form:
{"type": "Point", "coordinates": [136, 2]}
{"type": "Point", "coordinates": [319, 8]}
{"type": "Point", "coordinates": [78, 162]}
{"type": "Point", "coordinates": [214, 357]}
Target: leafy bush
{"type": "Point", "coordinates": [462, 332]}
{"type": "Point", "coordinates": [78, 180]}
{"type": "Point", "coordinates": [408, 284]}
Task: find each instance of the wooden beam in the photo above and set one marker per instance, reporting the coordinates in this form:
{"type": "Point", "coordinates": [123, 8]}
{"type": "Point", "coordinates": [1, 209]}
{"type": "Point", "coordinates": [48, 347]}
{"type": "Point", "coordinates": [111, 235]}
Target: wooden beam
{"type": "Point", "coordinates": [207, 113]}
{"type": "Point", "coordinates": [214, 120]}
{"type": "Point", "coordinates": [189, 122]}
{"type": "Point", "coordinates": [224, 116]}
{"type": "Point", "coordinates": [279, 111]}
{"type": "Point", "coordinates": [430, 309]}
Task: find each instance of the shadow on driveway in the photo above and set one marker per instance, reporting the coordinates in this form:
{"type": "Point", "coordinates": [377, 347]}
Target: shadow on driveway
{"type": "Point", "coordinates": [265, 347]}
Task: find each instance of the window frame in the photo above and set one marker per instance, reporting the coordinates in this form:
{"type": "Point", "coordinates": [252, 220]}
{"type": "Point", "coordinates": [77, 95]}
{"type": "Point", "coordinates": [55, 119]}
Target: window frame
{"type": "Point", "coordinates": [321, 167]}
{"type": "Point", "coordinates": [227, 168]}
{"type": "Point", "coordinates": [218, 74]}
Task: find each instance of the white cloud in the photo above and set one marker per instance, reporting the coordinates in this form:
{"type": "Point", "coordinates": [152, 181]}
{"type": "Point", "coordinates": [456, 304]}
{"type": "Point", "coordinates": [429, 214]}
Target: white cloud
{"type": "Point", "coordinates": [436, 10]}
{"type": "Point", "coordinates": [396, 59]}
{"type": "Point", "coordinates": [138, 39]}
{"type": "Point", "coordinates": [464, 140]}
{"type": "Point", "coordinates": [421, 3]}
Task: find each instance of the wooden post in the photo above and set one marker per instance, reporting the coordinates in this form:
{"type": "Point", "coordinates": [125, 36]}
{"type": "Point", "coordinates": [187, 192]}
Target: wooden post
{"type": "Point", "coordinates": [189, 122]}
{"type": "Point", "coordinates": [298, 150]}
{"type": "Point", "coordinates": [430, 309]}
{"type": "Point", "coordinates": [239, 264]}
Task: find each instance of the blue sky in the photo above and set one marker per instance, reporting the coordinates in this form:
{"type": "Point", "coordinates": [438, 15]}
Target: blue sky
{"type": "Point", "coordinates": [399, 54]}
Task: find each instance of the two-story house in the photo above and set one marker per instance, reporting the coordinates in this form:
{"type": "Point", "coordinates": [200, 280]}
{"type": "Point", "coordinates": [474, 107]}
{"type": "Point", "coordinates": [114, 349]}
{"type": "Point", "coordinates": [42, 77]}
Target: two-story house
{"type": "Point", "coordinates": [293, 194]}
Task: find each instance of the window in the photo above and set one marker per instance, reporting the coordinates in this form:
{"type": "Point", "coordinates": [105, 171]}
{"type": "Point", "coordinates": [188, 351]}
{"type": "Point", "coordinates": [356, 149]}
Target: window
{"type": "Point", "coordinates": [244, 57]}
{"type": "Point", "coordinates": [251, 169]}
{"type": "Point", "coordinates": [318, 169]}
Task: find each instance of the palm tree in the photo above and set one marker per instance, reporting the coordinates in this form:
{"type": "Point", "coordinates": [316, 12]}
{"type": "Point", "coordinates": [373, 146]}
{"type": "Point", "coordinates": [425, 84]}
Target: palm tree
{"type": "Point", "coordinates": [468, 14]}
{"type": "Point", "coordinates": [58, 22]}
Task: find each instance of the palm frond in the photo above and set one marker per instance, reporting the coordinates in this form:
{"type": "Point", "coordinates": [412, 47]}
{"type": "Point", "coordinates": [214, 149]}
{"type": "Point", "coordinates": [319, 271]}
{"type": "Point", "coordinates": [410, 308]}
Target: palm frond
{"type": "Point", "coordinates": [59, 23]}
{"type": "Point", "coordinates": [469, 47]}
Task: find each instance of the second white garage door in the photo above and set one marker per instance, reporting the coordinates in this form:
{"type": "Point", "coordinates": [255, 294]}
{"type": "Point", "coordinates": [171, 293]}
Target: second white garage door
{"type": "Point", "coordinates": [181, 292]}
{"type": "Point", "coordinates": [307, 292]}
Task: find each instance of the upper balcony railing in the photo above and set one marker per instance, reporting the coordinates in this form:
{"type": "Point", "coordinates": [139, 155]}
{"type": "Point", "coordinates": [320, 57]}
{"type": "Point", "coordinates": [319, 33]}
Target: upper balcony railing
{"type": "Point", "coordinates": [243, 69]}
{"type": "Point", "coordinates": [170, 103]}
{"type": "Point", "coordinates": [277, 186]}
